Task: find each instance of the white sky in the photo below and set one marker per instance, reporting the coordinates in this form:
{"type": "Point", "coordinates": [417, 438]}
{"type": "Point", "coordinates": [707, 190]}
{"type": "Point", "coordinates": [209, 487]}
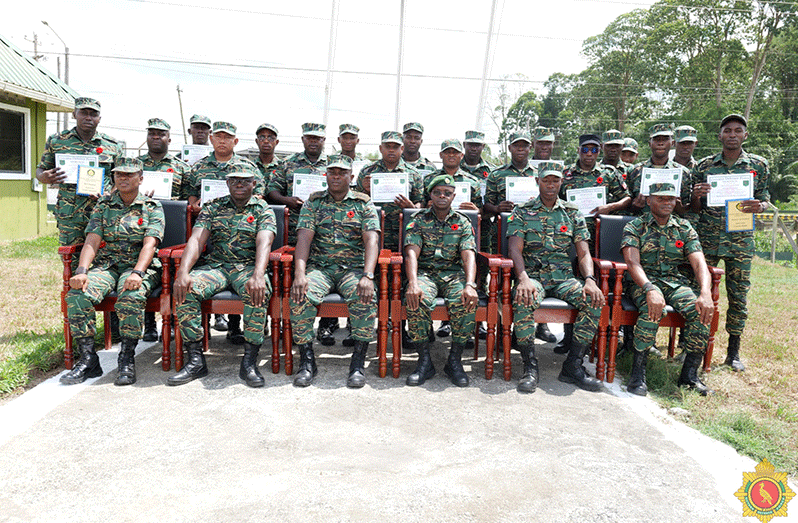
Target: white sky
{"type": "Point", "coordinates": [442, 38]}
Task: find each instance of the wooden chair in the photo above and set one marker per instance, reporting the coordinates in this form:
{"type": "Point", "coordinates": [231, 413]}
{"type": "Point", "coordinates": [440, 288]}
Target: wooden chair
{"type": "Point", "coordinates": [551, 310]}
{"type": "Point", "coordinates": [228, 302]}
{"type": "Point", "coordinates": [487, 308]}
{"type": "Point", "coordinates": [176, 231]}
{"type": "Point", "coordinates": [609, 231]}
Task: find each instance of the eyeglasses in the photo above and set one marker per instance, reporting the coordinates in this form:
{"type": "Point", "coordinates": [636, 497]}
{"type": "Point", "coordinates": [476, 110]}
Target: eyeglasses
{"type": "Point", "coordinates": [442, 194]}
{"type": "Point", "coordinates": [592, 149]}
{"type": "Point", "coordinates": [239, 181]}
{"type": "Point", "coordinates": [266, 138]}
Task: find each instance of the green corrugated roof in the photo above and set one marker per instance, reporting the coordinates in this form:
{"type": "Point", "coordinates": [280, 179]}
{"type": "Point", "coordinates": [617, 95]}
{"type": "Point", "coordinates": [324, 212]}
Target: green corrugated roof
{"type": "Point", "coordinates": [23, 76]}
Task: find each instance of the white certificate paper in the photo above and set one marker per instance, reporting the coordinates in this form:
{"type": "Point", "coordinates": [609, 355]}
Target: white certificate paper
{"type": "Point", "coordinates": [91, 180]}
{"type": "Point", "coordinates": [520, 189]}
{"type": "Point", "coordinates": [158, 181]}
{"type": "Point", "coordinates": [729, 187]}
{"type": "Point", "coordinates": [587, 199]}
{"type": "Point", "coordinates": [212, 189]}
{"type": "Point", "coordinates": [306, 184]}
{"type": "Point", "coordinates": [649, 176]}
{"type": "Point", "coordinates": [385, 187]}
{"type": "Point", "coordinates": [193, 153]}
{"type": "Point", "coordinates": [69, 164]}
{"type": "Point", "coordinates": [462, 193]}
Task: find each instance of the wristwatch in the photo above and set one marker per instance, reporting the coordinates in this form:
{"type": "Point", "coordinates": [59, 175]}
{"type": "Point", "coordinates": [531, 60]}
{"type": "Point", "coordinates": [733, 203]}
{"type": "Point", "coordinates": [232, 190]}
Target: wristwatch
{"type": "Point", "coordinates": [138, 272]}
{"type": "Point", "coordinates": [591, 277]}
{"type": "Point", "coordinates": [648, 287]}
{"type": "Point", "coordinates": [369, 275]}
{"type": "Point", "coordinates": [471, 284]}
{"type": "Point", "coordinates": [81, 270]}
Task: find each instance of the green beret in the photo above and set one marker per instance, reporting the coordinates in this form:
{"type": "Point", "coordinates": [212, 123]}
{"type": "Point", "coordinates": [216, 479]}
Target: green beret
{"type": "Point", "coordinates": [440, 179]}
{"type": "Point", "coordinates": [158, 123]}
{"type": "Point", "coordinates": [87, 103]}
{"type": "Point", "coordinates": [224, 127]}
{"type": "Point", "coordinates": [339, 160]}
{"type": "Point", "coordinates": [314, 129]}
{"type": "Point", "coordinates": [348, 128]}
{"type": "Point", "coordinates": [451, 143]}
{"type": "Point", "coordinates": [198, 118]}
{"type": "Point", "coordinates": [685, 133]}
{"type": "Point", "coordinates": [520, 135]}
{"type": "Point", "coordinates": [391, 137]}
{"type": "Point", "coordinates": [128, 165]}
{"type": "Point", "coordinates": [543, 134]}
{"type": "Point", "coordinates": [549, 168]}
{"type": "Point", "coordinates": [267, 126]}
{"type": "Point", "coordinates": [662, 189]}
{"type": "Point", "coordinates": [612, 137]}
{"type": "Point", "coordinates": [629, 144]}
{"type": "Point", "coordinates": [660, 129]}
{"type": "Point", "coordinates": [413, 126]}
{"type": "Point", "coordinates": [474, 137]}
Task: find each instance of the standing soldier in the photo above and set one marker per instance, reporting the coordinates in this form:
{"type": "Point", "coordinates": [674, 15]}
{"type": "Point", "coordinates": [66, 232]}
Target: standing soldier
{"type": "Point", "coordinates": [541, 233]}
{"type": "Point", "coordinates": [629, 153]}
{"type": "Point", "coordinates": [736, 249]}
{"type": "Point", "coordinates": [660, 142]}
{"type": "Point", "coordinates": [613, 142]}
{"type": "Point", "coordinates": [413, 133]}
{"type": "Point", "coordinates": [496, 186]}
{"type": "Point", "coordinates": [199, 129]}
{"type": "Point", "coordinates": [472, 162]}
{"type": "Point", "coordinates": [440, 261]}
{"type": "Point", "coordinates": [267, 163]}
{"type": "Point", "coordinates": [241, 229]}
{"type": "Point", "coordinates": [452, 158]}
{"type": "Point", "coordinates": [686, 139]}
{"type": "Point", "coordinates": [348, 139]}
{"type": "Point", "coordinates": [654, 245]}
{"type": "Point", "coordinates": [337, 249]}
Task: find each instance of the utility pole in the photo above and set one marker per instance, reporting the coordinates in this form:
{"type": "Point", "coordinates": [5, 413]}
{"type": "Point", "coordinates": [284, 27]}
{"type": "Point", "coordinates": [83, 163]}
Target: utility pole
{"type": "Point", "coordinates": [66, 66]}
{"type": "Point", "coordinates": [399, 65]}
{"type": "Point", "coordinates": [36, 56]}
{"type": "Point", "coordinates": [182, 120]}
{"type": "Point", "coordinates": [330, 60]}
{"type": "Point", "coordinates": [58, 69]}
{"type": "Point", "coordinates": [483, 92]}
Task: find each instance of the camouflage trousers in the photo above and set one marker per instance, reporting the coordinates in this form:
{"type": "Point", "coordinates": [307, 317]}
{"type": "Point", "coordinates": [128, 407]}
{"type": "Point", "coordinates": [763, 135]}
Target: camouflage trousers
{"type": "Point", "coordinates": [448, 285]}
{"type": "Point", "coordinates": [569, 291]}
{"type": "Point", "coordinates": [129, 304]}
{"type": "Point", "coordinates": [205, 283]}
{"type": "Point", "coordinates": [293, 219]}
{"type": "Point", "coordinates": [682, 299]}
{"type": "Point", "coordinates": [324, 281]}
{"type": "Point", "coordinates": [738, 283]}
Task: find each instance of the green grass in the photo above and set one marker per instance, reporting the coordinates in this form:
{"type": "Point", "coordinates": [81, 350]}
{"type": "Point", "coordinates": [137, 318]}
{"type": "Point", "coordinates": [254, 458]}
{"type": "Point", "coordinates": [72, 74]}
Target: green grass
{"type": "Point", "coordinates": [32, 353]}
{"type": "Point", "coordinates": [42, 248]}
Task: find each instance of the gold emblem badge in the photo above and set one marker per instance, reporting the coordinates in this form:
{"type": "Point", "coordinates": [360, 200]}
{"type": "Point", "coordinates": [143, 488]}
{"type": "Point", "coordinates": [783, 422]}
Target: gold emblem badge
{"type": "Point", "coordinates": [765, 492]}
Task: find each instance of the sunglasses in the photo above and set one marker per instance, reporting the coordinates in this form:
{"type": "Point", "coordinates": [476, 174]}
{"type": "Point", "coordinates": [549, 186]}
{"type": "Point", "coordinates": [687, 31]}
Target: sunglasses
{"type": "Point", "coordinates": [593, 149]}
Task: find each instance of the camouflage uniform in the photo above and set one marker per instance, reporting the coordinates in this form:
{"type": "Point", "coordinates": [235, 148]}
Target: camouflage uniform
{"type": "Point", "coordinates": [392, 211]}
{"type": "Point", "coordinates": [72, 211]}
{"type": "Point", "coordinates": [478, 172]}
{"type": "Point", "coordinates": [440, 271]}
{"type": "Point", "coordinates": [461, 176]}
{"type": "Point", "coordinates": [548, 236]}
{"type": "Point", "coordinates": [210, 169]}
{"type": "Point", "coordinates": [170, 164]}
{"type": "Point", "coordinates": [496, 192]}
{"type": "Point", "coordinates": [736, 249]}
{"type": "Point", "coordinates": [228, 264]}
{"type": "Point", "coordinates": [336, 259]}
{"type": "Point", "coordinates": [662, 250]}
{"type": "Point", "coordinates": [422, 164]}
{"type": "Point", "coordinates": [283, 182]}
{"type": "Point", "coordinates": [123, 229]}
{"type": "Point", "coordinates": [275, 168]}
{"type": "Point", "coordinates": [634, 182]}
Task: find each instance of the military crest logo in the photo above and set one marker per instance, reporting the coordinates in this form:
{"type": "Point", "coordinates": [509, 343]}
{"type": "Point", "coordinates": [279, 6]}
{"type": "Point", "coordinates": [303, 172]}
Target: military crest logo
{"type": "Point", "coordinates": [764, 493]}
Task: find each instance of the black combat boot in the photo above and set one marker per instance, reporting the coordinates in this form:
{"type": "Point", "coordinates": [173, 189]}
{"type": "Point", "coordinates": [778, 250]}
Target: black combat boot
{"type": "Point", "coordinates": [307, 366]}
{"type": "Point", "coordinates": [234, 333]}
{"type": "Point", "coordinates": [445, 329]}
{"type": "Point", "coordinates": [349, 341]}
{"type": "Point", "coordinates": [637, 380]}
{"type": "Point", "coordinates": [126, 375]}
{"type": "Point", "coordinates": [689, 376]}
{"type": "Point", "coordinates": [733, 354]}
{"type": "Point", "coordinates": [543, 333]}
{"type": "Point", "coordinates": [529, 381]}
{"type": "Point", "coordinates": [88, 366]}
{"type": "Point", "coordinates": [564, 345]}
{"type": "Point", "coordinates": [483, 331]}
{"type": "Point", "coordinates": [150, 327]}
{"type": "Point", "coordinates": [424, 369]}
{"type": "Point", "coordinates": [220, 324]}
{"type": "Point", "coordinates": [194, 368]}
{"type": "Point", "coordinates": [357, 374]}
{"type": "Point", "coordinates": [249, 366]}
{"type": "Point", "coordinates": [454, 365]}
{"type": "Point", "coordinates": [115, 336]}
{"type": "Point", "coordinates": [573, 371]}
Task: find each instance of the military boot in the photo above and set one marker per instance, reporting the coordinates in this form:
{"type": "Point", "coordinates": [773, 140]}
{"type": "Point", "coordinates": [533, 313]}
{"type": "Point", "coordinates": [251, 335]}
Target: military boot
{"type": "Point", "coordinates": [88, 365]}
{"type": "Point", "coordinates": [349, 341]}
{"type": "Point", "coordinates": [150, 327]}
{"type": "Point", "coordinates": [357, 374]}
{"type": "Point", "coordinates": [445, 329]}
{"type": "Point", "coordinates": [126, 374]}
{"type": "Point", "coordinates": [573, 371]}
{"type": "Point", "coordinates": [637, 379]}
{"type": "Point", "coordinates": [220, 323]}
{"type": "Point", "coordinates": [564, 345]}
{"type": "Point", "coordinates": [529, 381]}
{"type": "Point", "coordinates": [689, 376]}
{"type": "Point", "coordinates": [195, 368]}
{"type": "Point", "coordinates": [307, 366]}
{"type": "Point", "coordinates": [733, 354]}
{"type": "Point", "coordinates": [249, 366]}
{"type": "Point", "coordinates": [234, 333]}
{"type": "Point", "coordinates": [543, 333]}
{"type": "Point", "coordinates": [424, 369]}
{"type": "Point", "coordinates": [115, 336]}
{"type": "Point", "coordinates": [454, 365]}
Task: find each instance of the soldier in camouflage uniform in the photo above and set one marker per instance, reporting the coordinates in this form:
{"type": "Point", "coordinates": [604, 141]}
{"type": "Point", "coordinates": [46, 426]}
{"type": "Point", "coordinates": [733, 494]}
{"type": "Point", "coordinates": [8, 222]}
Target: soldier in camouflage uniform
{"type": "Point", "coordinates": [267, 163]}
{"type": "Point", "coordinates": [199, 127]}
{"type": "Point", "coordinates": [496, 186]}
{"type": "Point", "coordinates": [440, 260]}
{"type": "Point", "coordinates": [612, 143]}
{"type": "Point", "coordinates": [311, 160]}
{"type": "Point", "coordinates": [686, 139]}
{"type": "Point", "coordinates": [131, 225]}
{"type": "Point", "coordinates": [348, 139]}
{"type": "Point", "coordinates": [736, 249]}
{"type": "Point", "coordinates": [336, 251]}
{"type": "Point", "coordinates": [660, 142]}
{"type": "Point", "coordinates": [541, 233]}
{"type": "Point", "coordinates": [629, 153]}
{"type": "Point", "coordinates": [241, 229]}
{"type": "Point", "coordinates": [472, 162]}
{"type": "Point", "coordinates": [654, 245]}
{"type": "Point", "coordinates": [412, 134]}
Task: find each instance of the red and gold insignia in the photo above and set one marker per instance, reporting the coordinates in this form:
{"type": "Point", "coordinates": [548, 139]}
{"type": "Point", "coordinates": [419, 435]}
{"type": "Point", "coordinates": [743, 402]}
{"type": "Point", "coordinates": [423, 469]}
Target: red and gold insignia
{"type": "Point", "coordinates": [250, 219]}
{"type": "Point", "coordinates": [679, 244]}
{"type": "Point", "coordinates": [764, 493]}
{"type": "Point", "coordinates": [99, 150]}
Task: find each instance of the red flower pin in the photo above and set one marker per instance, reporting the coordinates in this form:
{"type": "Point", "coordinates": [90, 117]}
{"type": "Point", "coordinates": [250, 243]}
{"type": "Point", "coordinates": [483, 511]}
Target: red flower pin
{"type": "Point", "coordinates": [624, 176]}
{"type": "Point", "coordinates": [679, 244]}
{"type": "Point", "coordinates": [455, 227]}
{"type": "Point", "coordinates": [753, 172]}
{"type": "Point", "coordinates": [563, 228]}
{"type": "Point", "coordinates": [99, 150]}
{"type": "Point", "coordinates": [350, 214]}
{"type": "Point", "coordinates": [250, 219]}
{"type": "Point", "coordinates": [170, 170]}
{"type": "Point", "coordinates": [599, 180]}
{"type": "Point", "coordinates": [141, 221]}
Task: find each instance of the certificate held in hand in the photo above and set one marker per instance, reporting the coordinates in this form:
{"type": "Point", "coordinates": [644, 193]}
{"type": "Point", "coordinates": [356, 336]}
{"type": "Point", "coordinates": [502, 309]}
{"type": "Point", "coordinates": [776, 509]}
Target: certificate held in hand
{"type": "Point", "coordinates": [91, 180]}
{"type": "Point", "coordinates": [736, 219]}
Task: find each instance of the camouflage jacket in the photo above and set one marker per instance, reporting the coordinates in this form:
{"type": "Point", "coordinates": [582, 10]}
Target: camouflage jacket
{"type": "Point", "coordinates": [275, 168]}
{"type": "Point", "coordinates": [711, 226]}
{"type": "Point", "coordinates": [171, 164]}
{"type": "Point", "coordinates": [496, 186]}
{"type": "Point", "coordinates": [123, 229]}
{"type": "Point", "coordinates": [576, 178]}
{"type": "Point", "coordinates": [338, 228]}
{"type": "Point", "coordinates": [441, 242]}
{"type": "Point", "coordinates": [548, 236]}
{"type": "Point", "coordinates": [298, 162]}
{"type": "Point", "coordinates": [233, 231]}
{"type": "Point", "coordinates": [422, 164]}
{"type": "Point", "coordinates": [479, 172]}
{"type": "Point", "coordinates": [461, 176]}
{"type": "Point", "coordinates": [210, 169]}
{"type": "Point", "coordinates": [416, 184]}
{"type": "Point", "coordinates": [634, 181]}
{"type": "Point", "coordinates": [662, 248]}
{"type": "Point", "coordinates": [622, 168]}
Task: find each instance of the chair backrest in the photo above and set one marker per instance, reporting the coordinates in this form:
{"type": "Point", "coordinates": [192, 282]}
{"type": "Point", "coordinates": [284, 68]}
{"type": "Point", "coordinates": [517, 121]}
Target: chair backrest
{"type": "Point", "coordinates": [609, 231]}
{"type": "Point", "coordinates": [281, 216]}
{"type": "Point", "coordinates": [504, 240]}
{"type": "Point", "coordinates": [473, 216]}
{"type": "Point", "coordinates": [177, 228]}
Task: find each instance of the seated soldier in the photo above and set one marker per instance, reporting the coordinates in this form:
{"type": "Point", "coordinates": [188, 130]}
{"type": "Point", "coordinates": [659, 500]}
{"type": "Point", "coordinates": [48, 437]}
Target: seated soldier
{"type": "Point", "coordinates": [654, 245]}
{"type": "Point", "coordinates": [337, 247]}
{"type": "Point", "coordinates": [541, 233]}
{"type": "Point", "coordinates": [241, 228]}
{"type": "Point", "coordinates": [131, 225]}
{"type": "Point", "coordinates": [440, 260]}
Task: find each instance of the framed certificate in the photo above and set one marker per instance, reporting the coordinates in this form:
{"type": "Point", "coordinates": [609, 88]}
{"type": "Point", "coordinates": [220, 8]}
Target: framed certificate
{"type": "Point", "coordinates": [736, 219]}
{"type": "Point", "coordinates": [91, 180]}
{"type": "Point", "coordinates": [725, 187]}
{"type": "Point", "coordinates": [69, 163]}
{"type": "Point", "coordinates": [587, 199]}
{"type": "Point", "coordinates": [649, 176]}
{"type": "Point", "coordinates": [385, 187]}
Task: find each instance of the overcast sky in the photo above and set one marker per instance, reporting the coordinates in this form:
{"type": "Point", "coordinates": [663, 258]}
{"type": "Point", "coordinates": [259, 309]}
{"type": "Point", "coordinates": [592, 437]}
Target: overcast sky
{"type": "Point", "coordinates": [240, 62]}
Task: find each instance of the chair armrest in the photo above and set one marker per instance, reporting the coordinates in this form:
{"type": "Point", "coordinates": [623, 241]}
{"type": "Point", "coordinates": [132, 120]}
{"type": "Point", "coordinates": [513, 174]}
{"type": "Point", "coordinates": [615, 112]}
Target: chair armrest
{"type": "Point", "coordinates": [70, 249]}
{"type": "Point", "coordinates": [166, 252]}
{"type": "Point", "coordinates": [176, 252]}
{"type": "Point", "coordinates": [277, 254]}
{"type": "Point", "coordinates": [715, 271]}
